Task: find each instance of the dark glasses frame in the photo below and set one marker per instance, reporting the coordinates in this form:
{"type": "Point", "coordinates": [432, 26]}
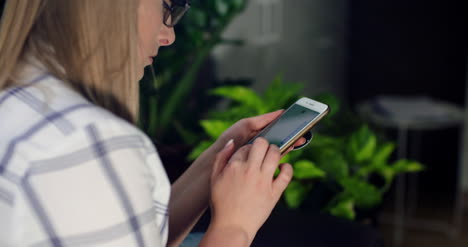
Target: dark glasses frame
{"type": "Point", "coordinates": [174, 12]}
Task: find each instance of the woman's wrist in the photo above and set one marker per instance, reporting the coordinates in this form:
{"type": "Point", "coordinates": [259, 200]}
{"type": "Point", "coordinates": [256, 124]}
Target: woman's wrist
{"type": "Point", "coordinates": [192, 188]}
{"type": "Point", "coordinates": [226, 235]}
{"type": "Point", "coordinates": [206, 160]}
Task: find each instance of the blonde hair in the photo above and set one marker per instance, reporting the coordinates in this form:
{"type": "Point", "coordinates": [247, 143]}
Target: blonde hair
{"type": "Point", "coordinates": [89, 44]}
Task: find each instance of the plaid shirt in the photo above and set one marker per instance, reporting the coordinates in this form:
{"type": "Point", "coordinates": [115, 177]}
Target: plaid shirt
{"type": "Point", "coordinates": [74, 174]}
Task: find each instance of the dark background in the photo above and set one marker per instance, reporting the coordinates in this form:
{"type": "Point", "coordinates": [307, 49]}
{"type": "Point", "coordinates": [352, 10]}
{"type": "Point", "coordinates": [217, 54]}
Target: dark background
{"type": "Point", "coordinates": [413, 48]}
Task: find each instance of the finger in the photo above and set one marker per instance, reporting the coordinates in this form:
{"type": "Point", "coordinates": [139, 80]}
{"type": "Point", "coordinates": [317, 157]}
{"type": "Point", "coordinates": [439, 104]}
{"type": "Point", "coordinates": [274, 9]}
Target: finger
{"type": "Point", "coordinates": [222, 159]}
{"type": "Point", "coordinates": [272, 160]}
{"type": "Point", "coordinates": [283, 179]}
{"type": "Point", "coordinates": [257, 152]}
{"type": "Point", "coordinates": [287, 151]}
{"type": "Point", "coordinates": [241, 154]}
{"type": "Point", "coordinates": [259, 122]}
{"type": "Point", "coordinates": [300, 142]}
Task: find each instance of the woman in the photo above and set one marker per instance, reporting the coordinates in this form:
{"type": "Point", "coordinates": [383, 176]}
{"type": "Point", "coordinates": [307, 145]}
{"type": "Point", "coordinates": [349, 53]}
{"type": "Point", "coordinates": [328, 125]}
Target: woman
{"type": "Point", "coordinates": [74, 170]}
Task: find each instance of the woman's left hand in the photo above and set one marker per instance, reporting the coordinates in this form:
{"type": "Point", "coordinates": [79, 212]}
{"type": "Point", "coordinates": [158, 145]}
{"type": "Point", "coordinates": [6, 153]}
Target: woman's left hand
{"type": "Point", "coordinates": [245, 129]}
{"type": "Point", "coordinates": [241, 132]}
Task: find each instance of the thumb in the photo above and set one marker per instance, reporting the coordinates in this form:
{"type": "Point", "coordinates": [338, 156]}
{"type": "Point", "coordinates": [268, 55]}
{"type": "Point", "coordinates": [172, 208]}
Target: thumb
{"type": "Point", "coordinates": [282, 180]}
{"type": "Point", "coordinates": [222, 158]}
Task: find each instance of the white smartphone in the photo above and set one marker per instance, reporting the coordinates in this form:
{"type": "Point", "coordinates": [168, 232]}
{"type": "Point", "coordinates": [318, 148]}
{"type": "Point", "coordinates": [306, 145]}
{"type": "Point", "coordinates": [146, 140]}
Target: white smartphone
{"type": "Point", "coordinates": [293, 123]}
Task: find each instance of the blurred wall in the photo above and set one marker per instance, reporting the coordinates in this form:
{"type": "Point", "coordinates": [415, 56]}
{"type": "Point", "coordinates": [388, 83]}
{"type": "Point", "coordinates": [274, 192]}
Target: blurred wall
{"type": "Point", "coordinates": [311, 49]}
{"type": "Point", "coordinates": [314, 48]}
{"type": "Point", "coordinates": [464, 144]}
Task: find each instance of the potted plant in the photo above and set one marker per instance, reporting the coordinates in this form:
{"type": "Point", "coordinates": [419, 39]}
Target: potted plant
{"type": "Point", "coordinates": [344, 156]}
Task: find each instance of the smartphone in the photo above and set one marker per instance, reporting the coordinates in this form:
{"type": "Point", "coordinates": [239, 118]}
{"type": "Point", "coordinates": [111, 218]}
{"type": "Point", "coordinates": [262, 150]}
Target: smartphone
{"type": "Point", "coordinates": [293, 123]}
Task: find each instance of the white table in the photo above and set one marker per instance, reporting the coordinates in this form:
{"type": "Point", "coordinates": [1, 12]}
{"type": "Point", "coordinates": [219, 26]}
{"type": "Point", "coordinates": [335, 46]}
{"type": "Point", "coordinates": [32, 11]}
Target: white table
{"type": "Point", "coordinates": [404, 124]}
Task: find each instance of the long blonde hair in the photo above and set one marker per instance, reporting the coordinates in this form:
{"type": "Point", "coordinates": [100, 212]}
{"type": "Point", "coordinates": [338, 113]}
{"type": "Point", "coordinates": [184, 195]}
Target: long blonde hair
{"type": "Point", "coordinates": [89, 44]}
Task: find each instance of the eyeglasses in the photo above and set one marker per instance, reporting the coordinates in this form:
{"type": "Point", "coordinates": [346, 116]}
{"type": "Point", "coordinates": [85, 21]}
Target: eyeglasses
{"type": "Point", "coordinates": [174, 12]}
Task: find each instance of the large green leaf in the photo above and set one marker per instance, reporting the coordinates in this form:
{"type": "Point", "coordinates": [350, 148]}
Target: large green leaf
{"type": "Point", "coordinates": [344, 209]}
{"type": "Point", "coordinates": [214, 128]}
{"type": "Point", "coordinates": [305, 169]}
{"type": "Point", "coordinates": [365, 195]}
{"type": "Point", "coordinates": [280, 95]}
{"type": "Point", "coordinates": [362, 144]}
{"type": "Point", "coordinates": [388, 172]}
{"type": "Point", "coordinates": [234, 113]}
{"type": "Point", "coordinates": [295, 194]}
{"type": "Point", "coordinates": [321, 141]}
{"type": "Point", "coordinates": [242, 95]}
{"type": "Point", "coordinates": [382, 154]}
{"type": "Point", "coordinates": [333, 163]}
{"type": "Point", "coordinates": [378, 160]}
{"type": "Point", "coordinates": [404, 165]}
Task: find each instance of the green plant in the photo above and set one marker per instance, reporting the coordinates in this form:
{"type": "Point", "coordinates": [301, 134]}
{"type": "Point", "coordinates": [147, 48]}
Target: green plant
{"type": "Point", "coordinates": [165, 109]}
{"type": "Point", "coordinates": [344, 154]}
{"type": "Point", "coordinates": [248, 104]}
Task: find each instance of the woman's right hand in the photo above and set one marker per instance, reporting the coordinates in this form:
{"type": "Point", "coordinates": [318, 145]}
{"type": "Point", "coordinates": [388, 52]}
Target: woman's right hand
{"type": "Point", "coordinates": [243, 188]}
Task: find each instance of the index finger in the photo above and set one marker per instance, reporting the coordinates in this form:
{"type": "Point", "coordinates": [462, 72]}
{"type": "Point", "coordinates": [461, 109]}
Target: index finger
{"type": "Point", "coordinates": [258, 151]}
{"type": "Point", "coordinates": [241, 154]}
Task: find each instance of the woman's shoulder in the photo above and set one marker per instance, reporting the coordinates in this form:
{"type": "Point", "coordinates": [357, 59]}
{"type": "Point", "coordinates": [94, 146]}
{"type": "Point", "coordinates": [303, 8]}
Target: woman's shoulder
{"type": "Point", "coordinates": [46, 115]}
{"type": "Point", "coordinates": [46, 100]}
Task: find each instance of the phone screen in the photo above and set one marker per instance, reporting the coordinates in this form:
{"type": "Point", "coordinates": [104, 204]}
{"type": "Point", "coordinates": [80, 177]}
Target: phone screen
{"type": "Point", "coordinates": [290, 123]}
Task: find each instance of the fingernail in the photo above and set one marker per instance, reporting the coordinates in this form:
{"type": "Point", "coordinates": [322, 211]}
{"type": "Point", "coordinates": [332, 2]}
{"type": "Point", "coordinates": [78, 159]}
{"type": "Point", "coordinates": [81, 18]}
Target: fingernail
{"type": "Point", "coordinates": [229, 143]}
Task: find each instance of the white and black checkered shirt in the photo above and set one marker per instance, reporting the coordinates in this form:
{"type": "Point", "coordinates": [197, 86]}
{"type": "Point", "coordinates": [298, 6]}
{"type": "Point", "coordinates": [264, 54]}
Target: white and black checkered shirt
{"type": "Point", "coordinates": [73, 174]}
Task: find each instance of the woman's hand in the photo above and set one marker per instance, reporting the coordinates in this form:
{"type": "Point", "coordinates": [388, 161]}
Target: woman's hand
{"type": "Point", "coordinates": [190, 194]}
{"type": "Point", "coordinates": [243, 191]}
{"type": "Point", "coordinates": [245, 129]}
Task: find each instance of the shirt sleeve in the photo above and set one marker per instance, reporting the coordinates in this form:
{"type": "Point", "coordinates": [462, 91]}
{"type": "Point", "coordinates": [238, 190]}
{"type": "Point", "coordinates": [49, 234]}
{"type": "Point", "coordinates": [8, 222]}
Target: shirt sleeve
{"type": "Point", "coordinates": [103, 185]}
